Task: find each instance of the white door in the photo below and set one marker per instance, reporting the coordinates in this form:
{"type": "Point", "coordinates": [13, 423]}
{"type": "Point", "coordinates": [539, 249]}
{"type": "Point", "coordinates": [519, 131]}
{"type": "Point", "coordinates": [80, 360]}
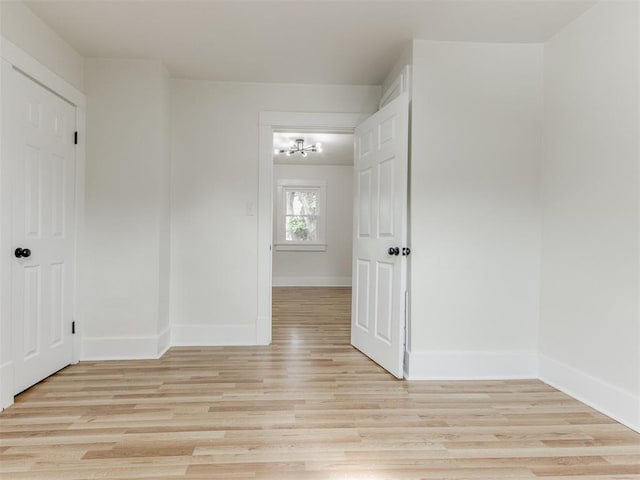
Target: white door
{"type": "Point", "coordinates": [380, 235]}
{"type": "Point", "coordinates": [38, 146]}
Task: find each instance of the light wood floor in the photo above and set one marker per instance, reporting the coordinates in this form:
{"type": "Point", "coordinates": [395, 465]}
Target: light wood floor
{"type": "Point", "coordinates": [307, 407]}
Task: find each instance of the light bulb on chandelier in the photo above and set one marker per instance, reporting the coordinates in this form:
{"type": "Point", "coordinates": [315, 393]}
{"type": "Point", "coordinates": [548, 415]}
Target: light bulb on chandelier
{"type": "Point", "coordinates": [298, 146]}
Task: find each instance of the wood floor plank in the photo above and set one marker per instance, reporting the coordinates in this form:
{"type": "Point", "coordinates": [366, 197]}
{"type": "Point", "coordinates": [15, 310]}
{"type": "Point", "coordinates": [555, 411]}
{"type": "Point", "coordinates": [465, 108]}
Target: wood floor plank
{"type": "Point", "coordinates": [307, 407]}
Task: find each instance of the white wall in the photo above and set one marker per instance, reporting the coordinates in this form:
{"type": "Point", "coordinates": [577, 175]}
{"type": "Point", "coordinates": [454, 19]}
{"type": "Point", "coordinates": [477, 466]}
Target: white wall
{"type": "Point", "coordinates": [24, 29]}
{"type": "Point", "coordinates": [476, 135]}
{"type": "Point", "coordinates": [214, 151]}
{"type": "Point", "coordinates": [124, 268]}
{"type": "Point", "coordinates": [590, 320]}
{"type": "Point", "coordinates": [333, 266]}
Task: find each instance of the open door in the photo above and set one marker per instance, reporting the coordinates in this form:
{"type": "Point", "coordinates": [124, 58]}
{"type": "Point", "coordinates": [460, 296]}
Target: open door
{"type": "Point", "coordinates": [380, 235]}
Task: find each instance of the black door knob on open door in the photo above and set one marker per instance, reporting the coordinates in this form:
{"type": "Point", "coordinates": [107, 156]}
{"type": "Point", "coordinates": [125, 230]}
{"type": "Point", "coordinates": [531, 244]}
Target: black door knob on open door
{"type": "Point", "coordinates": [394, 251]}
{"type": "Point", "coordinates": [22, 252]}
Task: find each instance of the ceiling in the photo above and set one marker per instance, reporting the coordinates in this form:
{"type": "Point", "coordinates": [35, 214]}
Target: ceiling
{"type": "Point", "coordinates": [296, 41]}
{"type": "Point", "coordinates": [337, 148]}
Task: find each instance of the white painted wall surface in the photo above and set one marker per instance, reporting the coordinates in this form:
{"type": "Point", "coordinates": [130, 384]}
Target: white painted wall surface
{"type": "Point", "coordinates": [476, 135]}
{"type": "Point", "coordinates": [333, 266]}
{"type": "Point", "coordinates": [124, 275]}
{"type": "Point", "coordinates": [23, 28]}
{"type": "Point", "coordinates": [590, 319]}
{"type": "Point", "coordinates": [214, 151]}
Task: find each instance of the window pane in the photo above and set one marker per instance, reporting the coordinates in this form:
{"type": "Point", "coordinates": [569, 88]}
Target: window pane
{"type": "Point", "coordinates": [301, 228]}
{"type": "Point", "coordinates": [302, 202]}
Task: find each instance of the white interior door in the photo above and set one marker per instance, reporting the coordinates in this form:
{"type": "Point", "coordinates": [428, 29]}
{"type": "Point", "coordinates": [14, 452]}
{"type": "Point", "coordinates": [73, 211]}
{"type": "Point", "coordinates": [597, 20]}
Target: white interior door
{"type": "Point", "coordinates": [38, 141]}
{"type": "Point", "coordinates": [380, 235]}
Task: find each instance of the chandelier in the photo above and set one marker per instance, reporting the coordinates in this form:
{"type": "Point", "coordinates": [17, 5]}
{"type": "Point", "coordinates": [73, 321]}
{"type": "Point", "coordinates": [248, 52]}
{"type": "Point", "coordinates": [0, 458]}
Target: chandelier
{"type": "Point", "coordinates": [297, 146]}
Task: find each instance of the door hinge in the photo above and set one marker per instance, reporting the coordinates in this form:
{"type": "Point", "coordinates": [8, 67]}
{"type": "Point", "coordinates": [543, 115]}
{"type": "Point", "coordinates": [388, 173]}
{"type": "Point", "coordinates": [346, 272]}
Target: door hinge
{"type": "Point", "coordinates": [73, 327]}
{"type": "Point", "coordinates": [75, 138]}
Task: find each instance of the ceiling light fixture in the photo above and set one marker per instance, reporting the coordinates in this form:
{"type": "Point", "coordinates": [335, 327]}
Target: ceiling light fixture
{"type": "Point", "coordinates": [298, 147]}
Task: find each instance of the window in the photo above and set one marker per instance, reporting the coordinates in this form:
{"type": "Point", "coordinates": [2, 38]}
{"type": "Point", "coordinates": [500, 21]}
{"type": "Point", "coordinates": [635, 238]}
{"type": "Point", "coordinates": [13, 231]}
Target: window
{"type": "Point", "coordinates": [301, 215]}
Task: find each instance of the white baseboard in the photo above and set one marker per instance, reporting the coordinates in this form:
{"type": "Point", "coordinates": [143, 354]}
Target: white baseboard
{"type": "Point", "coordinates": [122, 348]}
{"type": "Point", "coordinates": [453, 365]}
{"type": "Point", "coordinates": [164, 341]}
{"type": "Point", "coordinates": [618, 404]}
{"type": "Point", "coordinates": [311, 281]}
{"type": "Point", "coordinates": [212, 335]}
{"type": "Point", "coordinates": [263, 331]}
{"type": "Point", "coordinates": [6, 385]}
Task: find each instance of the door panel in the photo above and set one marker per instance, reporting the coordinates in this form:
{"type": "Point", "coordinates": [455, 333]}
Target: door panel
{"type": "Point", "coordinates": [364, 203]}
{"type": "Point", "coordinates": [361, 295]}
{"type": "Point", "coordinates": [32, 192]}
{"type": "Point", "coordinates": [380, 223]}
{"type": "Point", "coordinates": [57, 303]}
{"type": "Point", "coordinates": [31, 308]}
{"type": "Point", "coordinates": [385, 198]}
{"type": "Point", "coordinates": [57, 196]}
{"type": "Point", "coordinates": [384, 300]}
{"type": "Point", "coordinates": [39, 135]}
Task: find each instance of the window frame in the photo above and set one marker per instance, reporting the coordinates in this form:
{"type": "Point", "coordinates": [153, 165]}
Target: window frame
{"type": "Point", "coordinates": [318, 245]}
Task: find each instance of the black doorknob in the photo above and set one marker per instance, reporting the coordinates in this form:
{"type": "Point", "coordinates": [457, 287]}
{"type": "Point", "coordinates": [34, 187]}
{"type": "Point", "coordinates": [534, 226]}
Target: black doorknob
{"type": "Point", "coordinates": [406, 251]}
{"type": "Point", "coordinates": [394, 251]}
{"type": "Point", "coordinates": [22, 252]}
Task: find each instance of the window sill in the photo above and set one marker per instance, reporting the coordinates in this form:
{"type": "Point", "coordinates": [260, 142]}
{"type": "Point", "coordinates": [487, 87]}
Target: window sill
{"type": "Point", "coordinates": [301, 247]}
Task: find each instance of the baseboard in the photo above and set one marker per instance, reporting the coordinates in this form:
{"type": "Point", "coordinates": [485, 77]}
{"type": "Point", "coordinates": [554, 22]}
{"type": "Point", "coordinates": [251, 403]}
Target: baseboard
{"type": "Point", "coordinates": [453, 365]}
{"type": "Point", "coordinates": [164, 341]}
{"type": "Point", "coordinates": [263, 331]}
{"type": "Point", "coordinates": [618, 404]}
{"type": "Point", "coordinates": [212, 335]}
{"type": "Point", "coordinates": [311, 281]}
{"type": "Point", "coordinates": [123, 348]}
{"type": "Point", "coordinates": [6, 385]}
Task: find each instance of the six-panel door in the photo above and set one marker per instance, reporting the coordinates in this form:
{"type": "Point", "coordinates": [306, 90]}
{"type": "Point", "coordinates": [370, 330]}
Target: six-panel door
{"type": "Point", "coordinates": [380, 224]}
{"type": "Point", "coordinates": [40, 128]}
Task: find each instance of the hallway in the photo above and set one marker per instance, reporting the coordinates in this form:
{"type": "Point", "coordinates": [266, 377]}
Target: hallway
{"type": "Point", "coordinates": [307, 407]}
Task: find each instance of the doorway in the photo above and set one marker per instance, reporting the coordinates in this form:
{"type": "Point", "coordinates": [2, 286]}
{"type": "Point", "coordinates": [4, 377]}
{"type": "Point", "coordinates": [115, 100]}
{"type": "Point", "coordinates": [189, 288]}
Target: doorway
{"type": "Point", "coordinates": [270, 123]}
{"type": "Point", "coordinates": [379, 304]}
{"type": "Point", "coordinates": [312, 236]}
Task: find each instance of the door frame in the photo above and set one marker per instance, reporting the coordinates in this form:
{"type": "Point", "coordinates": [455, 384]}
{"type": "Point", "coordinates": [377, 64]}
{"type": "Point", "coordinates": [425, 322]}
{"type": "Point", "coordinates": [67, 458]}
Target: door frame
{"type": "Point", "coordinates": [271, 122]}
{"type": "Point", "coordinates": [11, 56]}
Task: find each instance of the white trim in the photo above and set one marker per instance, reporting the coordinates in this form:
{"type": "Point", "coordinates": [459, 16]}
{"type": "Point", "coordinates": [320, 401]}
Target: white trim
{"type": "Point", "coordinates": [270, 122]}
{"type": "Point", "coordinates": [263, 328]}
{"type": "Point", "coordinates": [320, 187]}
{"type": "Point", "coordinates": [265, 220]}
{"type": "Point", "coordinates": [400, 85]}
{"type": "Point", "coordinates": [311, 281]}
{"type": "Point", "coordinates": [79, 199]}
{"type": "Point", "coordinates": [612, 401]}
{"type": "Point", "coordinates": [212, 335]}
{"type": "Point", "coordinates": [455, 365]}
{"type": "Point", "coordinates": [6, 385]}
{"type": "Point", "coordinates": [301, 247]}
{"type": "Point", "coordinates": [34, 69]}
{"type": "Point", "coordinates": [121, 348]}
{"type": "Point", "coordinates": [6, 369]}
{"type": "Point", "coordinates": [164, 341]}
{"type": "Point", "coordinates": [18, 58]}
